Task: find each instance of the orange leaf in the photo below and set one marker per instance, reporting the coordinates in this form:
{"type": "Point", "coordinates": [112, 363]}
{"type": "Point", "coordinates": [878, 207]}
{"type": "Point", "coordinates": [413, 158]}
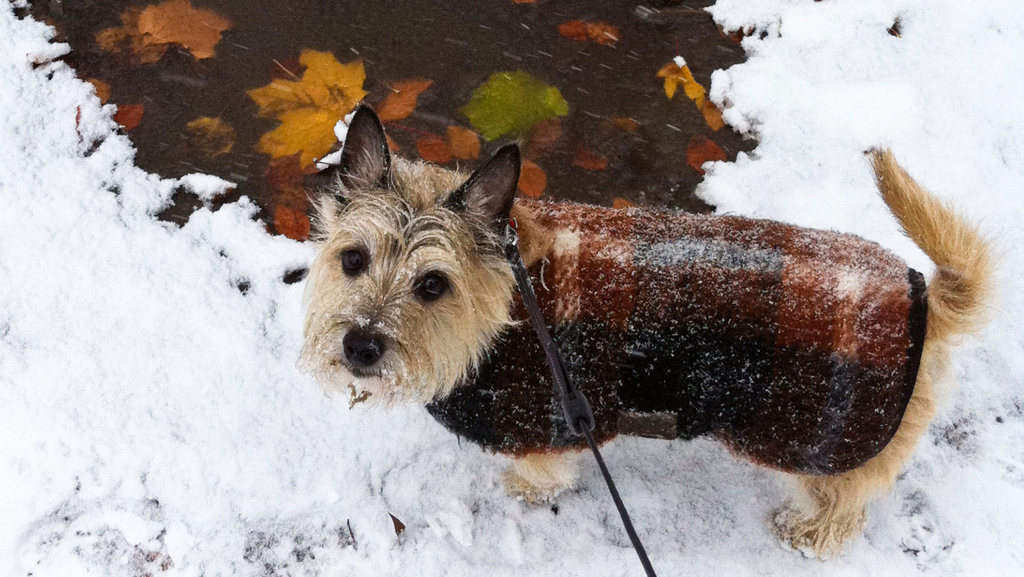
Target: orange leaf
{"type": "Point", "coordinates": [574, 29]}
{"type": "Point", "coordinates": [102, 89]}
{"type": "Point", "coordinates": [129, 115]}
{"type": "Point", "coordinates": [292, 223]}
{"type": "Point", "coordinates": [392, 145]}
{"type": "Point", "coordinates": [677, 73]}
{"type": "Point", "coordinates": [621, 203]}
{"type": "Point", "coordinates": [712, 115]}
{"type": "Point", "coordinates": [286, 176]}
{"type": "Point", "coordinates": [126, 39]}
{"type": "Point", "coordinates": [212, 136]}
{"type": "Point", "coordinates": [588, 159]}
{"type": "Point", "coordinates": [462, 142]}
{"type": "Point", "coordinates": [532, 180]}
{"type": "Point", "coordinates": [402, 100]}
{"type": "Point", "coordinates": [598, 32]}
{"type": "Point", "coordinates": [433, 149]}
{"type": "Point", "coordinates": [622, 123]}
{"type": "Point", "coordinates": [701, 150]}
{"type": "Point", "coordinates": [198, 30]}
{"type": "Point", "coordinates": [310, 106]}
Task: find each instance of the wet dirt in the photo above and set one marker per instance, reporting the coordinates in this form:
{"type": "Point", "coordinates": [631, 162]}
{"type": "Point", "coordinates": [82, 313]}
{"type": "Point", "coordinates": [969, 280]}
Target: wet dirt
{"type": "Point", "coordinates": [456, 43]}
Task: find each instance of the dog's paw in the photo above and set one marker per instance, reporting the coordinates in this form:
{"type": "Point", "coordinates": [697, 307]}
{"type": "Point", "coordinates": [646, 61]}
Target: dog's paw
{"type": "Point", "coordinates": [817, 536]}
{"type": "Point", "coordinates": [525, 490]}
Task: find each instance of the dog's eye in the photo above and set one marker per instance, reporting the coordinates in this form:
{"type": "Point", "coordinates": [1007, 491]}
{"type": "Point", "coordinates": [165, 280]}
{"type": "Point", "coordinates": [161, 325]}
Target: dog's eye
{"type": "Point", "coordinates": [353, 261]}
{"type": "Point", "coordinates": [431, 286]}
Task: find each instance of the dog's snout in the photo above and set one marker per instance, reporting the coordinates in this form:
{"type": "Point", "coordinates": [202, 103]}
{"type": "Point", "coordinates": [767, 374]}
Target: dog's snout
{"type": "Point", "coordinates": [362, 350]}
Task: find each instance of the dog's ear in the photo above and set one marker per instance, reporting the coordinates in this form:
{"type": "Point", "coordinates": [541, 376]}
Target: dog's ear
{"type": "Point", "coordinates": [365, 160]}
{"type": "Point", "coordinates": [492, 188]}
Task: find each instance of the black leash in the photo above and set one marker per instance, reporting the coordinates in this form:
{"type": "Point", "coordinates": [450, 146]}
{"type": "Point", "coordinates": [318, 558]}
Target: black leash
{"type": "Point", "coordinates": [578, 414]}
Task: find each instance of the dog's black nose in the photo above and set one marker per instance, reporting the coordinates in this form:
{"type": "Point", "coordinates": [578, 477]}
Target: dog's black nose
{"type": "Point", "coordinates": [362, 350]}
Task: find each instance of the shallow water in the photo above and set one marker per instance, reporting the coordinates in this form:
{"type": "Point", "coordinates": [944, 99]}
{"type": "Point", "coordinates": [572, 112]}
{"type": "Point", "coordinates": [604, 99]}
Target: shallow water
{"type": "Point", "coordinates": [456, 43]}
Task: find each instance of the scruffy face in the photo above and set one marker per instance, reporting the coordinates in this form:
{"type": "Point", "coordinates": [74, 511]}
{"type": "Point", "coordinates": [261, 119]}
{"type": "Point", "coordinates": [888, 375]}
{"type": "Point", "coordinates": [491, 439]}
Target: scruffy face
{"type": "Point", "coordinates": [409, 287]}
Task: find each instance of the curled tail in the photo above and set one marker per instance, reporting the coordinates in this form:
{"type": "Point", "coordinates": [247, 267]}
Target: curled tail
{"type": "Point", "coordinates": [958, 292]}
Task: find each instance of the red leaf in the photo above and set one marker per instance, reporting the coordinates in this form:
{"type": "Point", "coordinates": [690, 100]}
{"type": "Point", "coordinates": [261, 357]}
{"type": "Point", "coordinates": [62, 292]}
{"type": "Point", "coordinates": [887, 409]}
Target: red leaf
{"type": "Point", "coordinates": [532, 180]}
{"type": "Point", "coordinates": [291, 223]}
{"type": "Point", "coordinates": [702, 150]}
{"type": "Point", "coordinates": [433, 149]}
{"type": "Point", "coordinates": [588, 159]}
{"type": "Point", "coordinates": [129, 115]}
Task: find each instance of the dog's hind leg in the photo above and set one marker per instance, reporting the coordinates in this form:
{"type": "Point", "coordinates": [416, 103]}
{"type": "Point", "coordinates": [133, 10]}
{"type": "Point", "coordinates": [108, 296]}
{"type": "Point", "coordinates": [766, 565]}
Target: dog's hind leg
{"type": "Point", "coordinates": [539, 477]}
{"type": "Point", "coordinates": [828, 511]}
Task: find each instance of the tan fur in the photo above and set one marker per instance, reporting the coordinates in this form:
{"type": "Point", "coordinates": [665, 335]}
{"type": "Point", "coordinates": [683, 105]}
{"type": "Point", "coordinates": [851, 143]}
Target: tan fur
{"type": "Point", "coordinates": [433, 345]}
{"type": "Point", "coordinates": [829, 511]}
{"type": "Point", "coordinates": [538, 478]}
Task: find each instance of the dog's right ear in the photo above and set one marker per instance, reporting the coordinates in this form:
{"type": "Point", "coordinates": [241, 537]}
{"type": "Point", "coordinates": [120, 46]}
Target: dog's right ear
{"type": "Point", "coordinates": [365, 160]}
{"type": "Point", "coordinates": [491, 190]}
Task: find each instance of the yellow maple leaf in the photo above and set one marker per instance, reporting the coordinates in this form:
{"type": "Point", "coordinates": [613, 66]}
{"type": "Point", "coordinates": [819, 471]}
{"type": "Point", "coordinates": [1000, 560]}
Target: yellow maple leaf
{"type": "Point", "coordinates": [677, 73]}
{"type": "Point", "coordinates": [309, 108]}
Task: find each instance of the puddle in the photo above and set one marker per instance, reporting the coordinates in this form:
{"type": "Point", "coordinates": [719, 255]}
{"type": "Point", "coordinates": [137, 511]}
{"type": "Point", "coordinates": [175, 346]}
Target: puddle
{"type": "Point", "coordinates": [457, 44]}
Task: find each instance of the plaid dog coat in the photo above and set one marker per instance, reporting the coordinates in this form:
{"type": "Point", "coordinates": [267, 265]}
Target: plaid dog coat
{"type": "Point", "coordinates": [798, 348]}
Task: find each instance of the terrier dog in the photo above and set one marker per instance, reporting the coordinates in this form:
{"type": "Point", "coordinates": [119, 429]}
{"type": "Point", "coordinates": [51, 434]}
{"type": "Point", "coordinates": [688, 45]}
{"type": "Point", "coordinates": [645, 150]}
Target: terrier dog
{"type": "Point", "coordinates": [810, 352]}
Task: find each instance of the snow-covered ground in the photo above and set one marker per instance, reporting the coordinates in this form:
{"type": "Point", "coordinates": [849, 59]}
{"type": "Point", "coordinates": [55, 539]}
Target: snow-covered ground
{"type": "Point", "coordinates": [152, 420]}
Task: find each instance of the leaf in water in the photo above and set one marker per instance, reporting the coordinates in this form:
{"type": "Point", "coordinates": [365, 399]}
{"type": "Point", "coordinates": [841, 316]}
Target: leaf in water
{"type": "Point", "coordinates": [712, 115]}
{"type": "Point", "coordinates": [701, 150]}
{"type": "Point", "coordinates": [621, 123]}
{"type": "Point", "coordinates": [102, 89]}
{"type": "Point", "coordinates": [309, 107]}
{"type": "Point", "coordinates": [588, 159]}
{"type": "Point", "coordinates": [146, 33]}
{"type": "Point", "coordinates": [510, 103]}
{"type": "Point", "coordinates": [598, 32]}
{"type": "Point", "coordinates": [532, 180]}
{"type": "Point", "coordinates": [176, 21]}
{"type": "Point", "coordinates": [212, 136]}
{"type": "Point", "coordinates": [285, 176]}
{"type": "Point", "coordinates": [432, 148]}
{"type": "Point", "coordinates": [399, 526]}
{"type": "Point", "coordinates": [677, 73]}
{"type": "Point", "coordinates": [392, 145]}
{"type": "Point", "coordinates": [463, 143]}
{"type": "Point", "coordinates": [544, 136]}
{"type": "Point", "coordinates": [402, 100]}
{"type": "Point", "coordinates": [620, 203]}
{"type": "Point", "coordinates": [129, 115]}
{"type": "Point", "coordinates": [292, 223]}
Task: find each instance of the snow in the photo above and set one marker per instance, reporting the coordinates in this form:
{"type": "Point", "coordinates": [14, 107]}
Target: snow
{"type": "Point", "coordinates": [154, 420]}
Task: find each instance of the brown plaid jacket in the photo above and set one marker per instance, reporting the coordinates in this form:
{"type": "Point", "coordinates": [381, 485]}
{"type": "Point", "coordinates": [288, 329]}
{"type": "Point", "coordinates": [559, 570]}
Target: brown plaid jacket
{"type": "Point", "coordinates": [798, 348]}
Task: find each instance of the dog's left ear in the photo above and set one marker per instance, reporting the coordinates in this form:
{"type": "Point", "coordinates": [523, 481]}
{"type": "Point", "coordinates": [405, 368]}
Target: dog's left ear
{"type": "Point", "coordinates": [492, 188]}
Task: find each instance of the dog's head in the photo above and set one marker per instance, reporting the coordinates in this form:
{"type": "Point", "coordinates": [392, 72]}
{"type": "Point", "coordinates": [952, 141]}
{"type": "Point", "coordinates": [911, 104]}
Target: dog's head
{"type": "Point", "coordinates": [409, 286]}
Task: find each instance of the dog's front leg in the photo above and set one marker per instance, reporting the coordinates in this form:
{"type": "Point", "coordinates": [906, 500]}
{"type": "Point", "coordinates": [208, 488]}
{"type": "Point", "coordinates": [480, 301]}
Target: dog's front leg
{"type": "Point", "coordinates": [539, 477]}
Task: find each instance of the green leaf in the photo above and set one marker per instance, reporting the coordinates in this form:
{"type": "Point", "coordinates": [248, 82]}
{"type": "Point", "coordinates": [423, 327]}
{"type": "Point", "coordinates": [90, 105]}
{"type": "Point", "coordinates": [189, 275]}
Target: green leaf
{"type": "Point", "coordinates": [510, 103]}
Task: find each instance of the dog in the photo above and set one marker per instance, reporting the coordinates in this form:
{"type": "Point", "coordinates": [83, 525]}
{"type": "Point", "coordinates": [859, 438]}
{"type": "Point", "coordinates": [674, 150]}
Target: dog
{"type": "Point", "coordinates": [810, 352]}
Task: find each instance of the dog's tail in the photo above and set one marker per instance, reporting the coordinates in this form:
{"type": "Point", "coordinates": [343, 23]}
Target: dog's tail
{"type": "Point", "coordinates": [959, 290]}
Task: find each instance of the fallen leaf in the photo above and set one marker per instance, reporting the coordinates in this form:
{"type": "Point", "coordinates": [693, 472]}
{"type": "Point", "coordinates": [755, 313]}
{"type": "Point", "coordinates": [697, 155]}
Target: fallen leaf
{"type": "Point", "coordinates": [620, 123]}
{"type": "Point", "coordinates": [598, 32]}
{"type": "Point", "coordinates": [309, 107]}
{"type": "Point", "coordinates": [621, 203]}
{"type": "Point", "coordinates": [146, 33]}
{"type": "Point", "coordinates": [176, 21]}
{"type": "Point", "coordinates": [462, 142]}
{"type": "Point", "coordinates": [292, 223]}
{"type": "Point", "coordinates": [677, 73]}
{"type": "Point", "coordinates": [402, 100]}
{"type": "Point", "coordinates": [392, 145]}
{"type": "Point", "coordinates": [532, 180]}
{"type": "Point", "coordinates": [543, 137]}
{"type": "Point", "coordinates": [510, 103]}
{"type": "Point", "coordinates": [287, 69]}
{"type": "Point", "coordinates": [701, 150]}
{"type": "Point", "coordinates": [399, 526]}
{"type": "Point", "coordinates": [712, 115]}
{"type": "Point", "coordinates": [102, 89]}
{"type": "Point", "coordinates": [433, 149]}
{"type": "Point", "coordinates": [129, 115]}
{"type": "Point", "coordinates": [588, 159]}
{"type": "Point", "coordinates": [286, 177]}
{"type": "Point", "coordinates": [212, 136]}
